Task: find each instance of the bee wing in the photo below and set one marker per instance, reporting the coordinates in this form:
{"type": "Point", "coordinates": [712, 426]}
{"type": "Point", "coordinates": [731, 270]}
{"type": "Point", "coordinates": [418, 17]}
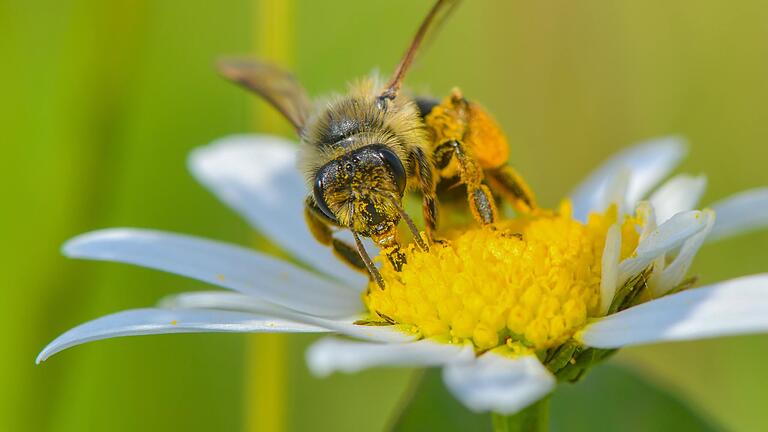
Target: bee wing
{"type": "Point", "coordinates": [275, 85]}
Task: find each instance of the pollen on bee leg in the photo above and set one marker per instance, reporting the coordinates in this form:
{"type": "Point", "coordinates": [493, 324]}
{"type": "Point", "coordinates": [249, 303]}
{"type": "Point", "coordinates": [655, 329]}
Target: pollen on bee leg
{"type": "Point", "coordinates": [528, 291]}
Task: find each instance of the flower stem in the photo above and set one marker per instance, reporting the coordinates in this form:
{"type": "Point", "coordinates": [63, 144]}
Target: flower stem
{"type": "Point", "coordinates": [266, 386]}
{"type": "Point", "coordinates": [535, 418]}
{"type": "Point", "coordinates": [267, 374]}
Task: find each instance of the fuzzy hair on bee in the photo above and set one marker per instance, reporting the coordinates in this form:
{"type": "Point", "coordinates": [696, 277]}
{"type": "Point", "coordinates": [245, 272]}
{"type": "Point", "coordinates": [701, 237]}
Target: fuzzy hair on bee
{"type": "Point", "coordinates": [343, 123]}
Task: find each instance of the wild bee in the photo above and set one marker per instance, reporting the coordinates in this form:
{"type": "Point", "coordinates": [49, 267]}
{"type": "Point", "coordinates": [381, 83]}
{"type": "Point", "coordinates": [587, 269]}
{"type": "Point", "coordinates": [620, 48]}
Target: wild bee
{"type": "Point", "coordinates": [361, 151]}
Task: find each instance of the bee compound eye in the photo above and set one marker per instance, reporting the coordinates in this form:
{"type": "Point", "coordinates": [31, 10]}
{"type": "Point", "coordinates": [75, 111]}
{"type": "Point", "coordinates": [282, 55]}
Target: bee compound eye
{"type": "Point", "coordinates": [319, 196]}
{"type": "Point", "coordinates": [395, 166]}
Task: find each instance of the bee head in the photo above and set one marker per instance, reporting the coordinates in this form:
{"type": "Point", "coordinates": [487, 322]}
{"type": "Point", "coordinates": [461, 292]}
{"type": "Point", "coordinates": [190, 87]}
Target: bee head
{"type": "Point", "coordinates": [356, 189]}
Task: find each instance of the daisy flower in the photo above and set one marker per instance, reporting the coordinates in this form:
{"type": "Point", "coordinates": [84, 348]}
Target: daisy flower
{"type": "Point", "coordinates": [506, 313]}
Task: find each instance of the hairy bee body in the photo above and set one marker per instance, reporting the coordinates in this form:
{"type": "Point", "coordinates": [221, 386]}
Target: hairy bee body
{"type": "Point", "coordinates": [481, 135]}
{"type": "Point", "coordinates": [467, 143]}
{"type": "Point", "coordinates": [350, 131]}
{"type": "Point", "coordinates": [344, 123]}
{"type": "Point", "coordinates": [458, 138]}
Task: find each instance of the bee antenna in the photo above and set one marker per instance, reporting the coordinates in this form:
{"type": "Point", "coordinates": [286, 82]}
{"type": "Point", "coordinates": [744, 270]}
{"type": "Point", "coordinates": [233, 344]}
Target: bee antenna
{"type": "Point", "coordinates": [367, 260]}
{"type": "Point", "coordinates": [412, 226]}
{"type": "Point", "coordinates": [393, 87]}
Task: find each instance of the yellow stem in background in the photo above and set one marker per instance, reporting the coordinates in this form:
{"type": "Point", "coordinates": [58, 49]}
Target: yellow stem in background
{"type": "Point", "coordinates": [266, 372]}
{"type": "Point", "coordinates": [274, 21]}
{"type": "Point", "coordinates": [266, 383]}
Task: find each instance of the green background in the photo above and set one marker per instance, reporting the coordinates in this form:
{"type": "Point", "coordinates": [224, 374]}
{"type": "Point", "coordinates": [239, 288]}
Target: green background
{"type": "Point", "coordinates": [100, 102]}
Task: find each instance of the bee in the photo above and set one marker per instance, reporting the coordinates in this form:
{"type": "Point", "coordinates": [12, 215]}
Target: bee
{"type": "Point", "coordinates": [361, 151]}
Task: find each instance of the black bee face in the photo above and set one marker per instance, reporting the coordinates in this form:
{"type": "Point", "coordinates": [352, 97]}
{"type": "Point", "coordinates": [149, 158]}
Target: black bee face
{"type": "Point", "coordinates": [356, 190]}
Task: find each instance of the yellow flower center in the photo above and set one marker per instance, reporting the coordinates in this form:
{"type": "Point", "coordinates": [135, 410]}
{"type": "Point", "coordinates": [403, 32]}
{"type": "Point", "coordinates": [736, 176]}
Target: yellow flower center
{"type": "Point", "coordinates": [531, 283]}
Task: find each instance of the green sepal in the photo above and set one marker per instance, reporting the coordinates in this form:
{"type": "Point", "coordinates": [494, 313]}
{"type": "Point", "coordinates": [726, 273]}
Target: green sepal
{"type": "Point", "coordinates": [627, 293]}
{"type": "Point", "coordinates": [584, 360]}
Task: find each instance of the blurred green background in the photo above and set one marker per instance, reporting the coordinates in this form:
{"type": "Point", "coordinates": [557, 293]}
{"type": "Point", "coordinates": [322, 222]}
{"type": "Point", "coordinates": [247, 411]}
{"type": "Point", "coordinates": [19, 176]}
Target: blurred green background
{"type": "Point", "coordinates": [102, 101]}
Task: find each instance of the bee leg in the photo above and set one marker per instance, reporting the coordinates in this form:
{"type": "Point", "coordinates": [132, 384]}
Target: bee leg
{"type": "Point", "coordinates": [320, 227]}
{"type": "Point", "coordinates": [424, 173]}
{"type": "Point", "coordinates": [510, 185]}
{"type": "Point", "coordinates": [396, 258]}
{"type": "Point", "coordinates": [481, 202]}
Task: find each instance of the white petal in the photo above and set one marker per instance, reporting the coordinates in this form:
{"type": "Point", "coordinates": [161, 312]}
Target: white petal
{"type": "Point", "coordinates": [649, 162]}
{"type": "Point", "coordinates": [257, 176]}
{"type": "Point", "coordinates": [240, 302]}
{"type": "Point", "coordinates": [222, 300]}
{"type": "Point", "coordinates": [668, 236]}
{"type": "Point", "coordinates": [332, 354]}
{"type": "Point", "coordinates": [647, 214]}
{"type": "Point", "coordinates": [740, 213]}
{"type": "Point", "coordinates": [609, 278]}
{"type": "Point", "coordinates": [499, 384]}
{"type": "Point", "coordinates": [738, 306]}
{"type": "Point", "coordinates": [674, 273]}
{"type": "Point", "coordinates": [615, 191]}
{"type": "Point", "coordinates": [678, 194]}
{"type": "Point", "coordinates": [159, 321]}
{"type": "Point", "coordinates": [226, 265]}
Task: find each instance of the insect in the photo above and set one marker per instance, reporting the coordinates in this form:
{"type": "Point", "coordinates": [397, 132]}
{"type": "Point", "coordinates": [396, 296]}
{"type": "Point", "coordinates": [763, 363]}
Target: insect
{"type": "Point", "coordinates": [361, 151]}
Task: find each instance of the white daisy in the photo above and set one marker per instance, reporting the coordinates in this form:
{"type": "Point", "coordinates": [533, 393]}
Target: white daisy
{"type": "Point", "coordinates": [506, 316]}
